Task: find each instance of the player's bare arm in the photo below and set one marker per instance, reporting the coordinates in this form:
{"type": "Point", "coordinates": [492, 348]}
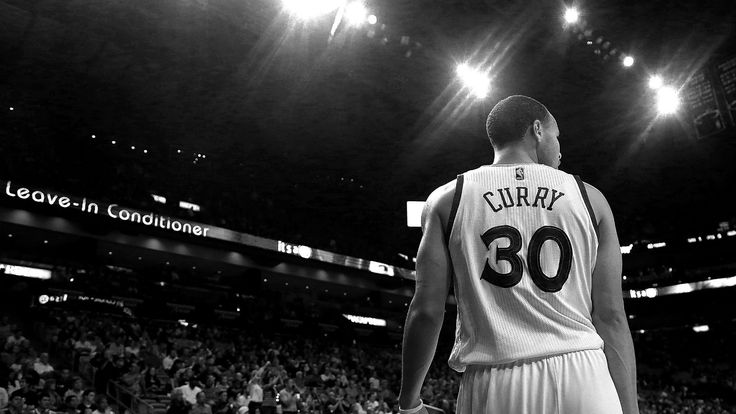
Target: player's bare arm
{"type": "Point", "coordinates": [609, 317]}
{"type": "Point", "coordinates": [427, 309]}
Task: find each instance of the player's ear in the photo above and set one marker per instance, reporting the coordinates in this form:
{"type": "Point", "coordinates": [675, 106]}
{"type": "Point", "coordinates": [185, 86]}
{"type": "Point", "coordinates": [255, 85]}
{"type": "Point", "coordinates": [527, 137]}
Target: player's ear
{"type": "Point", "coordinates": [537, 130]}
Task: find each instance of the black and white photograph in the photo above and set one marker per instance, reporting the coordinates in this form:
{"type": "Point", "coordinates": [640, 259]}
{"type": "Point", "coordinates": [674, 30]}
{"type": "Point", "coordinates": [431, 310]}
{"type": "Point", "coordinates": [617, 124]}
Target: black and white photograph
{"type": "Point", "coordinates": [367, 207]}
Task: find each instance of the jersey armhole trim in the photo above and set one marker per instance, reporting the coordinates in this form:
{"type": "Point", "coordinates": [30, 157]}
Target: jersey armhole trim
{"type": "Point", "coordinates": [584, 193]}
{"type": "Point", "coordinates": [455, 204]}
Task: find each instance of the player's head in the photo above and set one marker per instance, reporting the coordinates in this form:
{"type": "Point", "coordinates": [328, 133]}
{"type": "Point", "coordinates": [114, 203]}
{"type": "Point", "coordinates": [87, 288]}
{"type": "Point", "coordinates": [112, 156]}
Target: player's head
{"type": "Point", "coordinates": [522, 122]}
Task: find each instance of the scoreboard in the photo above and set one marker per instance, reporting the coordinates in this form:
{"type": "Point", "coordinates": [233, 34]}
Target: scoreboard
{"type": "Point", "coordinates": [710, 99]}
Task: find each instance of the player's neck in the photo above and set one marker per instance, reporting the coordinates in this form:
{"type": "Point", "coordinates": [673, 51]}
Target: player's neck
{"type": "Point", "coordinates": [514, 155]}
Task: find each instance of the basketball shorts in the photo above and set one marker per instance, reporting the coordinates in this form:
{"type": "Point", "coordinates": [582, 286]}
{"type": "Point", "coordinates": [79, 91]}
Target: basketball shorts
{"type": "Point", "coordinates": [572, 383]}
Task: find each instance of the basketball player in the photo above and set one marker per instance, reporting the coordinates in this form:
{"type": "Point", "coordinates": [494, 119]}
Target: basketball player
{"type": "Point", "coordinates": [541, 326]}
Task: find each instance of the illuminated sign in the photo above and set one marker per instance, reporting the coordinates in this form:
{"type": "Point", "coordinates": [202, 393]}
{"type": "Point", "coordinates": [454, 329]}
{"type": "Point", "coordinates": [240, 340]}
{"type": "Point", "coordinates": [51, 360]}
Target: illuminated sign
{"type": "Point", "coordinates": [414, 213]}
{"type": "Point", "coordinates": [25, 271]}
{"type": "Point", "coordinates": [364, 320]}
{"type": "Point", "coordinates": [380, 268]}
{"type": "Point", "coordinates": [69, 298]}
{"type": "Point", "coordinates": [682, 288]}
{"type": "Point", "coordinates": [189, 206]}
{"type": "Point", "coordinates": [13, 191]}
{"type": "Point", "coordinates": [46, 299]}
{"type": "Point", "coordinates": [294, 249]}
{"type": "Point", "coordinates": [113, 211]}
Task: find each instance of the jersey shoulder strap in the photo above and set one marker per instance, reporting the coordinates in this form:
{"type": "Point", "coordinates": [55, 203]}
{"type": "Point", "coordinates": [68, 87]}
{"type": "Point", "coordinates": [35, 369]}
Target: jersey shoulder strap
{"type": "Point", "coordinates": [584, 193]}
{"type": "Point", "coordinates": [455, 204]}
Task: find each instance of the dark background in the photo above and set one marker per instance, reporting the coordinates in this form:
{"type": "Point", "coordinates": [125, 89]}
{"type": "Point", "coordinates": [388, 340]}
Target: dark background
{"type": "Point", "coordinates": [322, 143]}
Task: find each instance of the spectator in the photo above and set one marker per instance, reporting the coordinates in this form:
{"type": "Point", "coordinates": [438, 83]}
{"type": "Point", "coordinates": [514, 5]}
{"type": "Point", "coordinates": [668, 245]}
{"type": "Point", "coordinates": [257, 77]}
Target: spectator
{"type": "Point", "coordinates": [372, 404]}
{"type": "Point", "coordinates": [222, 405]}
{"type": "Point", "coordinates": [17, 339]}
{"type": "Point", "coordinates": [64, 381]}
{"type": "Point", "coordinates": [133, 349]}
{"type": "Point", "coordinates": [269, 397]}
{"type": "Point", "coordinates": [209, 390]}
{"type": "Point", "coordinates": [84, 345]}
{"type": "Point", "coordinates": [255, 394]}
{"type": "Point", "coordinates": [178, 404]}
{"type": "Point", "coordinates": [15, 382]}
{"type": "Point", "coordinates": [71, 404]}
{"type": "Point", "coordinates": [201, 407]}
{"type": "Point", "coordinates": [88, 402]}
{"type": "Point", "coordinates": [17, 404]}
{"type": "Point", "coordinates": [102, 407]}
{"type": "Point", "coordinates": [133, 380]}
{"type": "Point", "coordinates": [374, 382]}
{"type": "Point", "coordinates": [386, 393]}
{"type": "Point", "coordinates": [76, 390]}
{"type": "Point", "coordinates": [190, 390]}
{"type": "Point", "coordinates": [288, 398]}
{"type": "Point", "coordinates": [44, 405]}
{"type": "Point", "coordinates": [168, 360]}
{"type": "Point", "coordinates": [42, 366]}
{"type": "Point", "coordinates": [3, 398]}
{"type": "Point", "coordinates": [49, 390]}
{"type": "Point", "coordinates": [116, 348]}
{"type": "Point", "coordinates": [29, 387]}
{"type": "Point", "coordinates": [299, 382]}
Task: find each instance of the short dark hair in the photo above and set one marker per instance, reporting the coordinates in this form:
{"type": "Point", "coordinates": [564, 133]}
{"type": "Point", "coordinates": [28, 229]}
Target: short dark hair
{"type": "Point", "coordinates": [511, 118]}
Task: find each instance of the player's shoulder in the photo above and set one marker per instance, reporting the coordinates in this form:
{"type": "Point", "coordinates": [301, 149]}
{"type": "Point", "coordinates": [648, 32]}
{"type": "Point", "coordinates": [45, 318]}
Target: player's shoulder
{"type": "Point", "coordinates": [440, 201]}
{"type": "Point", "coordinates": [598, 201]}
{"type": "Point", "coordinates": [442, 196]}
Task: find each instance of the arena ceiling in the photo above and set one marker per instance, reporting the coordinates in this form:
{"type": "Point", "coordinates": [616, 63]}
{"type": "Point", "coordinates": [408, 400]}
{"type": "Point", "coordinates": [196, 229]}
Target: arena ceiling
{"type": "Point", "coordinates": [339, 134]}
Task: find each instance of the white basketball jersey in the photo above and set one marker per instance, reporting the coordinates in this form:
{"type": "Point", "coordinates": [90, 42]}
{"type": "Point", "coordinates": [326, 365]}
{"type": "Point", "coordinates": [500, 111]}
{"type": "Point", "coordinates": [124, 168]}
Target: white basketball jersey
{"type": "Point", "coordinates": [523, 245]}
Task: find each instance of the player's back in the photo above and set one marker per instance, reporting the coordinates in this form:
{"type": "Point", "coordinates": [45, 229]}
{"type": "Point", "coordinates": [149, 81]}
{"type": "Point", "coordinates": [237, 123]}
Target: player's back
{"type": "Point", "coordinates": [523, 246]}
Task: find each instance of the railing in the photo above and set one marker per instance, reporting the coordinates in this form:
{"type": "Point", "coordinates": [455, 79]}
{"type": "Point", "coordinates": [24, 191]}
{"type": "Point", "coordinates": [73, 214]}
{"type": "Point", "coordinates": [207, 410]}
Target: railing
{"type": "Point", "coordinates": [126, 400]}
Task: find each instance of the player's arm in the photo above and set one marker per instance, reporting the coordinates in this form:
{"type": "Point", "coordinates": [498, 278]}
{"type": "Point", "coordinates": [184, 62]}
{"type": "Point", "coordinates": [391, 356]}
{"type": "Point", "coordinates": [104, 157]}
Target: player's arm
{"type": "Point", "coordinates": [609, 317]}
{"type": "Point", "coordinates": [427, 309]}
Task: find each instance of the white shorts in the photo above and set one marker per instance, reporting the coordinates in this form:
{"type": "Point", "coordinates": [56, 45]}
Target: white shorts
{"type": "Point", "coordinates": [572, 383]}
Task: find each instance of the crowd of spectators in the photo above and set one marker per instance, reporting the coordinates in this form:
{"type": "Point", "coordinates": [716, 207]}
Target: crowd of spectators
{"type": "Point", "coordinates": [220, 370]}
{"type": "Point", "coordinates": [682, 371]}
{"type": "Point", "coordinates": [32, 385]}
{"type": "Point", "coordinates": [216, 370]}
{"type": "Point", "coordinates": [63, 360]}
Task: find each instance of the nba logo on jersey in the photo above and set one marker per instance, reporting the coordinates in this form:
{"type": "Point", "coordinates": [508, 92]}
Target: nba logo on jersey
{"type": "Point", "coordinates": [519, 173]}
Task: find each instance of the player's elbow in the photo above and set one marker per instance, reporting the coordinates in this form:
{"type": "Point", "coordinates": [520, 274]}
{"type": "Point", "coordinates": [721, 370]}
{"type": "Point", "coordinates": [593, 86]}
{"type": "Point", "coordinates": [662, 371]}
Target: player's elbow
{"type": "Point", "coordinates": [610, 319]}
{"type": "Point", "coordinates": [425, 310]}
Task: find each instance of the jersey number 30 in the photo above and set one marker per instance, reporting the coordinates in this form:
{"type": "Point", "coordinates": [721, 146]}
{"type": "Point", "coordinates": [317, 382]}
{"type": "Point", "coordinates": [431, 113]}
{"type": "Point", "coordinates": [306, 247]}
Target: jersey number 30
{"type": "Point", "coordinates": [510, 254]}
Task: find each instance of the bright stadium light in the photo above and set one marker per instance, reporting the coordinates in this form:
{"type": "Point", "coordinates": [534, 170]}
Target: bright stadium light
{"type": "Point", "coordinates": [356, 13]}
{"type": "Point", "coordinates": [308, 9]}
{"type": "Point", "coordinates": [474, 79]}
{"type": "Point", "coordinates": [655, 82]}
{"type": "Point", "coordinates": [572, 15]}
{"type": "Point", "coordinates": [667, 100]}
{"type": "Point", "coordinates": [701, 328]}
{"type": "Point", "coordinates": [628, 61]}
